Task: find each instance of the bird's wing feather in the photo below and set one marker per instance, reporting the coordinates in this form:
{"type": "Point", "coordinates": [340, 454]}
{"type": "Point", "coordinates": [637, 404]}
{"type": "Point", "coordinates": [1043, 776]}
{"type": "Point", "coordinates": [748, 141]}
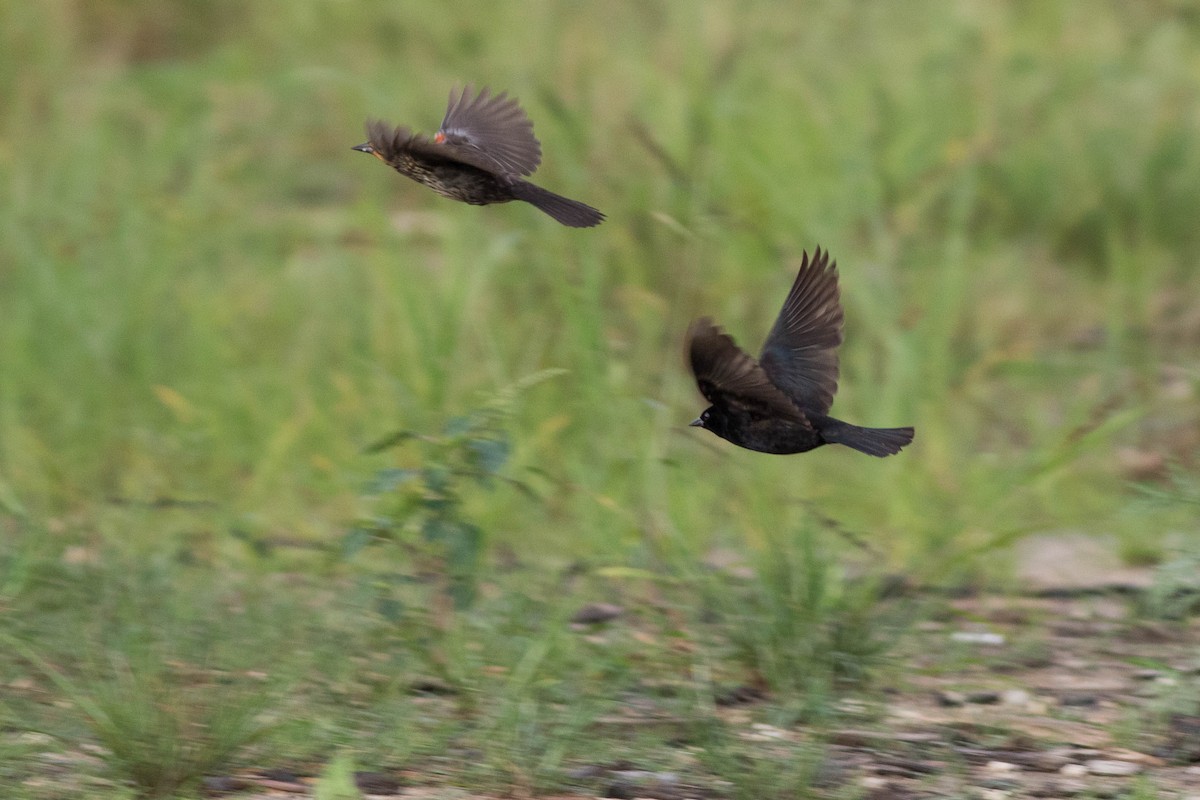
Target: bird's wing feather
{"type": "Point", "coordinates": [391, 142]}
{"type": "Point", "coordinates": [800, 354]}
{"type": "Point", "coordinates": [490, 131]}
{"type": "Point", "coordinates": [728, 375]}
{"type": "Point", "coordinates": [386, 140]}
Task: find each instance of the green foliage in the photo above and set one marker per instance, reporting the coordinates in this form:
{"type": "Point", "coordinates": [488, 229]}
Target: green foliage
{"type": "Point", "coordinates": [526, 737]}
{"type": "Point", "coordinates": [419, 514]}
{"type": "Point", "coordinates": [802, 626]}
{"type": "Point", "coordinates": [170, 693]}
{"type": "Point", "coordinates": [1182, 489]}
{"type": "Point", "coordinates": [1175, 593]}
{"type": "Point", "coordinates": [778, 770]}
{"type": "Point", "coordinates": [337, 780]}
{"type": "Point", "coordinates": [421, 511]}
{"type": "Point", "coordinates": [207, 295]}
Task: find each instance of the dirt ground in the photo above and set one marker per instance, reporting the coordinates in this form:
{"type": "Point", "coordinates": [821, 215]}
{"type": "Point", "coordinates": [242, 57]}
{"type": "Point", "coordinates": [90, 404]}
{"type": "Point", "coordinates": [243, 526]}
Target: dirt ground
{"type": "Point", "coordinates": [1011, 697]}
{"type": "Point", "coordinates": [1076, 685]}
{"type": "Point", "coordinates": [1066, 697]}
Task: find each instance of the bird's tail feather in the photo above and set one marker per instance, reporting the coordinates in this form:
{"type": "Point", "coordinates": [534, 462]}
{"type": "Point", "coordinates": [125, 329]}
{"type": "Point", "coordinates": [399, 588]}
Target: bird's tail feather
{"type": "Point", "coordinates": [568, 212]}
{"type": "Point", "coordinates": [872, 441]}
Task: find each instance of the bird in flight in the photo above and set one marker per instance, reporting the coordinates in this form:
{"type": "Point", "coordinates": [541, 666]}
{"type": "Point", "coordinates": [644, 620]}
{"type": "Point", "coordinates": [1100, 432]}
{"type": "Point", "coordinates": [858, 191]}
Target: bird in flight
{"type": "Point", "coordinates": [479, 155]}
{"type": "Point", "coordinates": [780, 403]}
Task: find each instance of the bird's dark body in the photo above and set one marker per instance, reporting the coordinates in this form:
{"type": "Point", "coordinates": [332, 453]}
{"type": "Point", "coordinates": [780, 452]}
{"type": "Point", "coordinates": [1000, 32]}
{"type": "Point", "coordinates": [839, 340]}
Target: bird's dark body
{"type": "Point", "coordinates": [787, 437]}
{"type": "Point", "coordinates": [453, 179]}
{"type": "Point", "coordinates": [485, 145]}
{"type": "Point", "coordinates": [764, 434]}
{"type": "Point", "coordinates": [780, 402]}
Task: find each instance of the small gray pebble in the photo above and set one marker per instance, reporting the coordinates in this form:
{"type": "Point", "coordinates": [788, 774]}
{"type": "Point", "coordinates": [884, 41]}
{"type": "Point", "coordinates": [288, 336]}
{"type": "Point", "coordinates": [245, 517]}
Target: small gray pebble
{"type": "Point", "coordinates": [1115, 769]}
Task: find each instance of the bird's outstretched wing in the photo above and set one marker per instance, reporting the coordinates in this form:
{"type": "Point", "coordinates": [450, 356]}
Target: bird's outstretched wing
{"type": "Point", "coordinates": [800, 354]}
{"type": "Point", "coordinates": [490, 131]}
{"type": "Point", "coordinates": [728, 376]}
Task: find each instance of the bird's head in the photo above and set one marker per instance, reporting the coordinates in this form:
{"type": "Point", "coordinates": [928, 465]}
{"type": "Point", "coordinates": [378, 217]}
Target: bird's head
{"type": "Point", "coordinates": [369, 149]}
{"type": "Point", "coordinates": [382, 141]}
{"type": "Point", "coordinates": [709, 419]}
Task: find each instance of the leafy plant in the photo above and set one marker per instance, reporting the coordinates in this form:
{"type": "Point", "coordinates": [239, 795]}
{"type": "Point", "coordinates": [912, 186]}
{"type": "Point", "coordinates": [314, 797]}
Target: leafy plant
{"type": "Point", "coordinates": [420, 510]}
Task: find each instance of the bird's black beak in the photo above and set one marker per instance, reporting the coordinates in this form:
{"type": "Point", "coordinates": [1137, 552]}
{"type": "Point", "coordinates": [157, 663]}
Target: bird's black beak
{"type": "Point", "coordinates": [365, 147]}
{"type": "Point", "coordinates": [696, 423]}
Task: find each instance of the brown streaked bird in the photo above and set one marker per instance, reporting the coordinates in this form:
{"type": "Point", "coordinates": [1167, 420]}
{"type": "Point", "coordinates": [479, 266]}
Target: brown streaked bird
{"type": "Point", "coordinates": [780, 403]}
{"type": "Point", "coordinates": [478, 156]}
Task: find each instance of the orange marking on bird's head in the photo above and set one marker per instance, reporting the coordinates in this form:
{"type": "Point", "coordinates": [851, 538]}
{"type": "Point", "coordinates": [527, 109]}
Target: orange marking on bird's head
{"type": "Point", "coordinates": [441, 137]}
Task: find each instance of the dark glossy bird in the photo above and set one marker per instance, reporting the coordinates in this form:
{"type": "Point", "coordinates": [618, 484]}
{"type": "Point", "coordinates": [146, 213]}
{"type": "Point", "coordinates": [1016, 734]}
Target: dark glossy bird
{"type": "Point", "coordinates": [780, 403]}
{"type": "Point", "coordinates": [478, 156]}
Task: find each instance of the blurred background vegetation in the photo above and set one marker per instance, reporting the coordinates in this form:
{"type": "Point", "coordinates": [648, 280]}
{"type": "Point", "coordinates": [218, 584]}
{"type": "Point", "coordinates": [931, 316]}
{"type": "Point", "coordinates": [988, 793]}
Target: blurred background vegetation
{"type": "Point", "coordinates": [208, 297]}
{"type": "Point", "coordinates": [210, 307]}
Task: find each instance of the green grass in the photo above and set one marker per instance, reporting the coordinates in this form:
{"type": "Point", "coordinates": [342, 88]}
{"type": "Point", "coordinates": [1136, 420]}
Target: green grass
{"type": "Point", "coordinates": [210, 307]}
